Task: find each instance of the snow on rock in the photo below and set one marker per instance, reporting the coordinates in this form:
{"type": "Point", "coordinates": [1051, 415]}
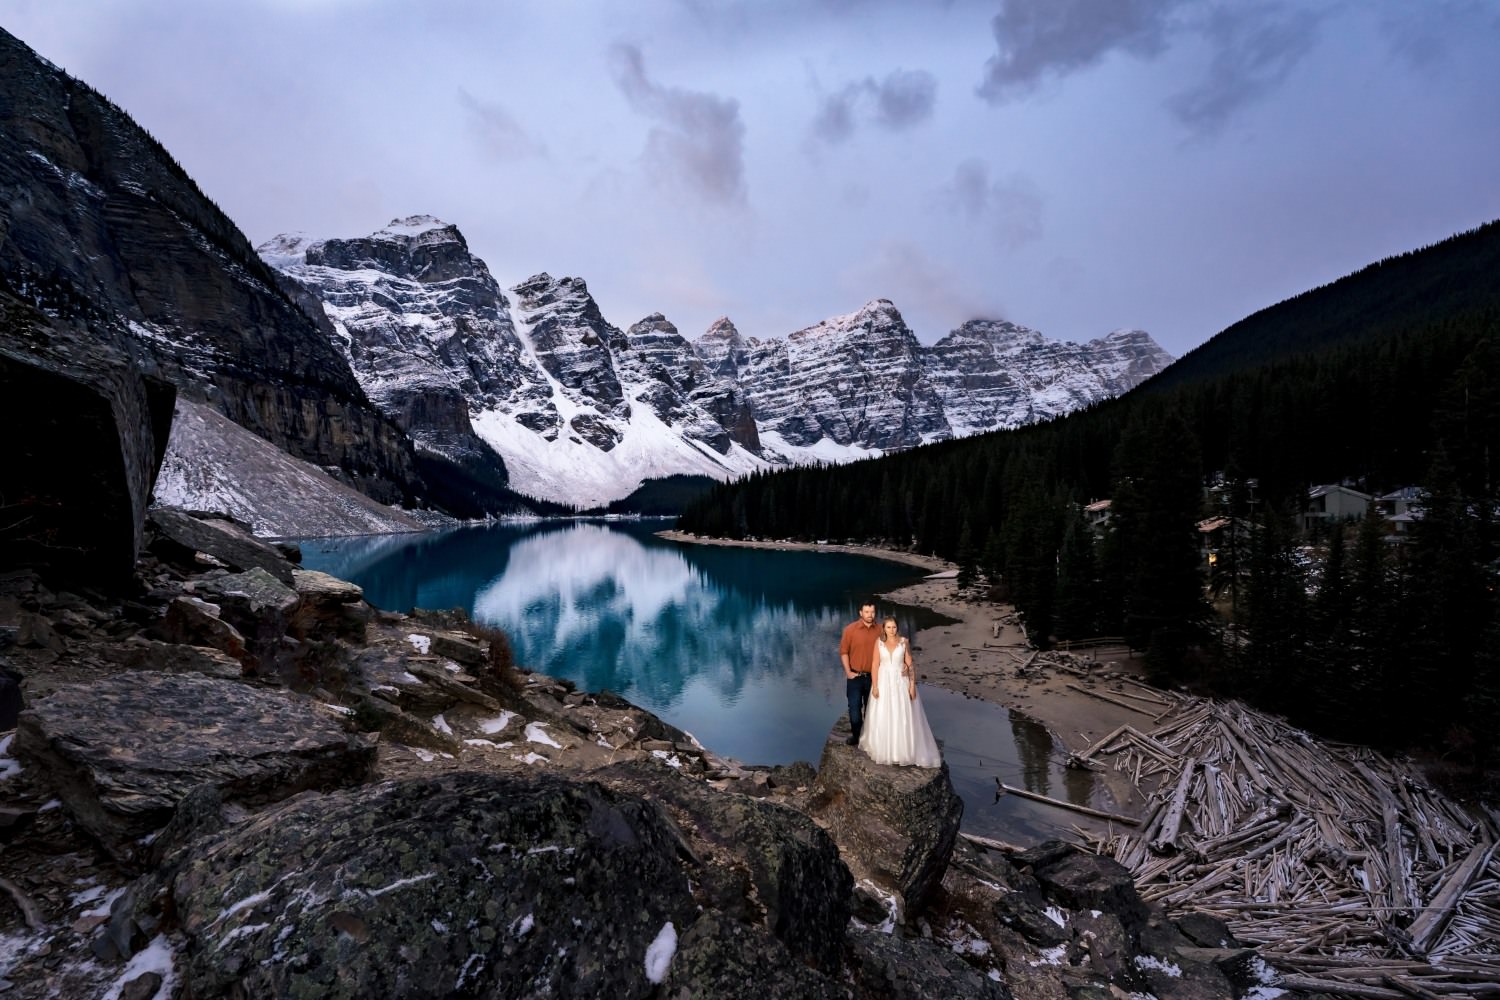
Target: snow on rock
{"type": "Point", "coordinates": [1158, 965]}
{"type": "Point", "coordinates": [536, 733]}
{"type": "Point", "coordinates": [212, 463]}
{"type": "Point", "coordinates": [492, 726]}
{"type": "Point", "coordinates": [156, 957]}
{"type": "Point", "coordinates": [660, 951]}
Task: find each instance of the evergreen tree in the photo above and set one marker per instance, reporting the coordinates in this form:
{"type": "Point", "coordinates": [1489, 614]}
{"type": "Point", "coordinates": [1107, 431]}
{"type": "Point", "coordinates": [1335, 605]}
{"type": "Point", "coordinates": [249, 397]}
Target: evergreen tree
{"type": "Point", "coordinates": [1078, 592]}
{"type": "Point", "coordinates": [1157, 504]}
{"type": "Point", "coordinates": [1376, 639]}
{"type": "Point", "coordinates": [1276, 616]}
{"type": "Point", "coordinates": [968, 556]}
{"type": "Point", "coordinates": [1448, 603]}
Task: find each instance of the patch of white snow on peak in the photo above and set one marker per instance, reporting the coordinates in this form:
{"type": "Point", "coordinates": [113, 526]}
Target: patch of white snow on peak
{"type": "Point", "coordinates": [660, 952]}
{"type": "Point", "coordinates": [412, 225]}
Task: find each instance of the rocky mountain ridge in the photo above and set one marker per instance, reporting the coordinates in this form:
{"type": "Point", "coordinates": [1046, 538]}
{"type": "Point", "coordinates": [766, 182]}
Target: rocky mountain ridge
{"type": "Point", "coordinates": [101, 228]}
{"type": "Point", "coordinates": [582, 411]}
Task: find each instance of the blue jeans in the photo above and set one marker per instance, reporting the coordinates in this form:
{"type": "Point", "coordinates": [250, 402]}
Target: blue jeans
{"type": "Point", "coordinates": [858, 689]}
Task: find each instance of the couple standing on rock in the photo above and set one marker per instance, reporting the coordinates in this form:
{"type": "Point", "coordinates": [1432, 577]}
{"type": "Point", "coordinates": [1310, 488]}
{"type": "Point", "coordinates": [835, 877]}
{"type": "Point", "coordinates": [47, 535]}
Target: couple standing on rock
{"type": "Point", "coordinates": [886, 719]}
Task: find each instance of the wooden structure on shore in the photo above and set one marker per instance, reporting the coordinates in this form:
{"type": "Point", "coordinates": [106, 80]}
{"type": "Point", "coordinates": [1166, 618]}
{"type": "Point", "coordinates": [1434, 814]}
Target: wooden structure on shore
{"type": "Point", "coordinates": [1350, 873]}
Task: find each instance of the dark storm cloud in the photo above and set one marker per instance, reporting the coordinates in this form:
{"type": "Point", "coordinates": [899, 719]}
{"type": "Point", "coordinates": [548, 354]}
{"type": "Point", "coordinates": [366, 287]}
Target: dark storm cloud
{"type": "Point", "coordinates": [905, 98]}
{"type": "Point", "coordinates": [699, 138]}
{"type": "Point", "coordinates": [496, 131]}
{"type": "Point", "coordinates": [1041, 38]}
{"type": "Point", "coordinates": [1010, 207]}
{"type": "Point", "coordinates": [1254, 50]}
{"type": "Point", "coordinates": [835, 119]}
{"type": "Point", "coordinates": [1423, 34]}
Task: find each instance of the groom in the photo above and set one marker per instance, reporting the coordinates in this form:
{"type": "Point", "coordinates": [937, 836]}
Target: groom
{"type": "Point", "coordinates": [856, 650]}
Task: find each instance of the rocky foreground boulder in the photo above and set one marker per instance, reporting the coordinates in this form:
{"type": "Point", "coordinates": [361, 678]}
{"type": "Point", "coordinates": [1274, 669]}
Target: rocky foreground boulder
{"type": "Point", "coordinates": [124, 750]}
{"type": "Point", "coordinates": [896, 825]}
{"type": "Point", "coordinates": [397, 811]}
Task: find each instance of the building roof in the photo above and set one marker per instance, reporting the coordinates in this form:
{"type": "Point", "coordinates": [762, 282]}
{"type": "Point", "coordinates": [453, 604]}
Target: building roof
{"type": "Point", "coordinates": [1327, 488]}
{"type": "Point", "coordinates": [1097, 506]}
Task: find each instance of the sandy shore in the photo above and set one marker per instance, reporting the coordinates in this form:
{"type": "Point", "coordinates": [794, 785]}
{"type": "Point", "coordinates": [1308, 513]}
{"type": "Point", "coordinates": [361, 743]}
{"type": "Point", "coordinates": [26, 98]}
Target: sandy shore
{"type": "Point", "coordinates": [968, 657]}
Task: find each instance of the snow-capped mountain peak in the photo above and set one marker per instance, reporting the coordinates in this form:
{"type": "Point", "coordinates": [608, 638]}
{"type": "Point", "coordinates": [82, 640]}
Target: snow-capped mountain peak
{"type": "Point", "coordinates": [582, 411]}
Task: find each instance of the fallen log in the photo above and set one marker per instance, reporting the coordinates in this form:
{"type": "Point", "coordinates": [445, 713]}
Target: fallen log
{"type": "Point", "coordinates": [991, 843]}
{"type": "Point", "coordinates": [1062, 804]}
{"type": "Point", "coordinates": [1309, 984]}
{"type": "Point", "coordinates": [1435, 916]}
{"type": "Point", "coordinates": [1112, 701]}
{"type": "Point", "coordinates": [1408, 987]}
{"type": "Point", "coordinates": [1166, 838]}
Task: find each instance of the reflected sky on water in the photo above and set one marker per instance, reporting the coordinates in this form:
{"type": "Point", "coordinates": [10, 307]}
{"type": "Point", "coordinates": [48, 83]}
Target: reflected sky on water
{"type": "Point", "coordinates": [737, 646]}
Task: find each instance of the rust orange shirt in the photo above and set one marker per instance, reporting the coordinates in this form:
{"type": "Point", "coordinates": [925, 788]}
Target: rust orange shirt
{"type": "Point", "coordinates": [859, 642]}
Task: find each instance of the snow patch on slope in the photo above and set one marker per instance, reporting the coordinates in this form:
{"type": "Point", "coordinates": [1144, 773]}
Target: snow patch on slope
{"type": "Point", "coordinates": [215, 464]}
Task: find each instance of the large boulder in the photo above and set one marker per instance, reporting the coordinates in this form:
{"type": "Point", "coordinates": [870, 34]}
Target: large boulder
{"type": "Point", "coordinates": [467, 884]}
{"type": "Point", "coordinates": [761, 862]}
{"type": "Point", "coordinates": [124, 750]}
{"type": "Point", "coordinates": [894, 825]}
{"type": "Point", "coordinates": [177, 534]}
{"type": "Point", "coordinates": [896, 967]}
{"type": "Point", "coordinates": [327, 608]}
{"type": "Point", "coordinates": [1080, 880]}
{"type": "Point", "coordinates": [721, 958]}
{"type": "Point", "coordinates": [260, 607]}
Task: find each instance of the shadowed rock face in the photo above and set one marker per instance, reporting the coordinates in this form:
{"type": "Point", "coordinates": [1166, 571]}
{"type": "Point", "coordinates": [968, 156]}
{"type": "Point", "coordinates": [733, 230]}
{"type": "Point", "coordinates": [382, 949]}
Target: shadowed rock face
{"type": "Point", "coordinates": [75, 483]}
{"type": "Point", "coordinates": [101, 224]}
{"type": "Point", "coordinates": [459, 885]}
{"type": "Point", "coordinates": [762, 863]}
{"type": "Point", "coordinates": [124, 750]}
{"type": "Point", "coordinates": [896, 825]}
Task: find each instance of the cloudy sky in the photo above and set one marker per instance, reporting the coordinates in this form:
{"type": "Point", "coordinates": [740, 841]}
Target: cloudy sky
{"type": "Point", "coordinates": [1072, 165]}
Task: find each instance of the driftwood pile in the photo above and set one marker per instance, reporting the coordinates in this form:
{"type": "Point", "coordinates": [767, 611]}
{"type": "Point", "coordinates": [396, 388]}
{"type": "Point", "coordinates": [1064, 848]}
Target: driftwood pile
{"type": "Point", "coordinates": [1348, 870]}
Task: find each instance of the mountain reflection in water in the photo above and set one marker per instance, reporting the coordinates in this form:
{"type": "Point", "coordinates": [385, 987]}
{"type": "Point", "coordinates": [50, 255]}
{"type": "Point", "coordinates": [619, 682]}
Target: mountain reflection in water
{"type": "Point", "coordinates": [737, 646]}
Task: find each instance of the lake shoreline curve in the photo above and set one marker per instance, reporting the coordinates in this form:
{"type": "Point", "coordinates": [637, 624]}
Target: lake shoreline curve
{"type": "Point", "coordinates": [977, 652]}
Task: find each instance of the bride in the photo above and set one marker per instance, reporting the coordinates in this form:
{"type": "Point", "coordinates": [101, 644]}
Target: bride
{"type": "Point", "coordinates": [896, 730]}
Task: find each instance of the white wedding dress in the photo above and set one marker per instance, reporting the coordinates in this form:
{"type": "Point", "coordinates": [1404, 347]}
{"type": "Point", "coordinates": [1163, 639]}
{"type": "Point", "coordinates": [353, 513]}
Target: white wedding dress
{"type": "Point", "coordinates": [895, 729]}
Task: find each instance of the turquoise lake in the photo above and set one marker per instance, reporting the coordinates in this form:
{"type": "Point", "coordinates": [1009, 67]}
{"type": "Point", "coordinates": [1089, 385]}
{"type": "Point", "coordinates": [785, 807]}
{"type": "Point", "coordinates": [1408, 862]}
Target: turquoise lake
{"type": "Point", "coordinates": [737, 646]}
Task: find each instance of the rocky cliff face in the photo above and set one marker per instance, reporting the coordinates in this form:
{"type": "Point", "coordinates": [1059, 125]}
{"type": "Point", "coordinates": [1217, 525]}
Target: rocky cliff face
{"type": "Point", "coordinates": [97, 217]}
{"type": "Point", "coordinates": [852, 380]}
{"type": "Point", "coordinates": [583, 411]}
{"type": "Point", "coordinates": [994, 374]}
{"type": "Point", "coordinates": [427, 332]}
